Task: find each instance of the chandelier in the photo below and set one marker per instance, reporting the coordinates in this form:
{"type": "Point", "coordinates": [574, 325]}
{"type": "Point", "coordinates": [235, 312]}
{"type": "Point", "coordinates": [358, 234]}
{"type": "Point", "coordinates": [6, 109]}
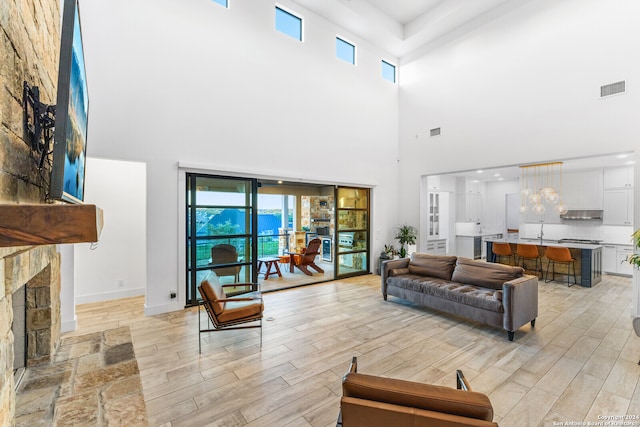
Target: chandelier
{"type": "Point", "coordinates": [541, 184]}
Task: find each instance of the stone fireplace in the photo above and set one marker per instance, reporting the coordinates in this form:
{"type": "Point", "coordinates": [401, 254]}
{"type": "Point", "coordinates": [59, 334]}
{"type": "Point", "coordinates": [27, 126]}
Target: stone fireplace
{"type": "Point", "coordinates": [37, 270]}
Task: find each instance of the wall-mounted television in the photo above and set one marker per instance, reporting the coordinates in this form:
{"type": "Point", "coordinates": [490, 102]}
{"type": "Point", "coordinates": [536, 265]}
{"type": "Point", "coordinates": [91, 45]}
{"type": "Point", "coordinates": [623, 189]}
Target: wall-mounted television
{"type": "Point", "coordinates": [72, 108]}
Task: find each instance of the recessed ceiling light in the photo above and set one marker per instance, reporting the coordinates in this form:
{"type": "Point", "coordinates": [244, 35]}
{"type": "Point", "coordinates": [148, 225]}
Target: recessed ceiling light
{"type": "Point", "coordinates": [500, 179]}
{"type": "Point", "coordinates": [630, 162]}
{"type": "Point", "coordinates": [496, 174]}
{"type": "Point", "coordinates": [622, 156]}
{"type": "Point", "coordinates": [279, 182]}
{"type": "Point", "coordinates": [479, 171]}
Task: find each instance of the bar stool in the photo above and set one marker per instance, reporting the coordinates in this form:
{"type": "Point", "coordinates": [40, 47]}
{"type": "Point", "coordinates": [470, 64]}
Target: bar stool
{"type": "Point", "coordinates": [562, 255]}
{"type": "Point", "coordinates": [501, 250]}
{"type": "Point", "coordinates": [529, 252]}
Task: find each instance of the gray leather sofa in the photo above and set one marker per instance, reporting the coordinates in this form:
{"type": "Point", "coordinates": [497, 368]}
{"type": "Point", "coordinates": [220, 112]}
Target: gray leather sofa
{"type": "Point", "coordinates": [494, 294]}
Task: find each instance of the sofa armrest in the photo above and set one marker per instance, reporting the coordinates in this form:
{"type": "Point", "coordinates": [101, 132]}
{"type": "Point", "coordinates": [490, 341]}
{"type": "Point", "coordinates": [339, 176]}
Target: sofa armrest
{"type": "Point", "coordinates": [410, 394]}
{"type": "Point", "coordinates": [520, 300]}
{"type": "Point", "coordinates": [390, 265]}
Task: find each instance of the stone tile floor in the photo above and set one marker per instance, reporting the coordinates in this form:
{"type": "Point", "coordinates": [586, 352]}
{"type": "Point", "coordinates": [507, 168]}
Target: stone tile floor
{"type": "Point", "coordinates": [92, 380]}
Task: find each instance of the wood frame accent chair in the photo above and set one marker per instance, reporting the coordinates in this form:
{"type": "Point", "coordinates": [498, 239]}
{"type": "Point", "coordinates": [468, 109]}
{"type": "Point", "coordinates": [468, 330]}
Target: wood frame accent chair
{"type": "Point", "coordinates": [225, 254]}
{"type": "Point", "coordinates": [372, 401]}
{"type": "Point", "coordinates": [223, 313]}
{"type": "Point", "coordinates": [307, 259]}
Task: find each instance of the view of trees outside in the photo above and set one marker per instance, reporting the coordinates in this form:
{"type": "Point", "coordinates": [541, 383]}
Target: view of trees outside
{"type": "Point", "coordinates": [231, 221]}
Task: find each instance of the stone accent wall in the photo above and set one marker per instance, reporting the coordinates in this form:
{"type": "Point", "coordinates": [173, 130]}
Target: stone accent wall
{"type": "Point", "coordinates": [311, 208]}
{"type": "Point", "coordinates": [29, 49]}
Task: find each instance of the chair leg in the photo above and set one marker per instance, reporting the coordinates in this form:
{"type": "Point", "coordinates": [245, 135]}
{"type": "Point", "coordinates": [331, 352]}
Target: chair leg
{"type": "Point", "coordinates": [316, 268]}
{"type": "Point", "coordinates": [546, 277]}
{"type": "Point", "coordinates": [199, 332]}
{"type": "Point", "coordinates": [575, 281]}
{"type": "Point", "coordinates": [304, 269]}
{"type": "Point", "coordinates": [539, 267]}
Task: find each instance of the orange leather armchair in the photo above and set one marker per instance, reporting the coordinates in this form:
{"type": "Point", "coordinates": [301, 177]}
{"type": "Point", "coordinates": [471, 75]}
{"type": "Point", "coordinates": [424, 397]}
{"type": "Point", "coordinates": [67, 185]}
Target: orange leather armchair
{"type": "Point", "coordinates": [371, 401]}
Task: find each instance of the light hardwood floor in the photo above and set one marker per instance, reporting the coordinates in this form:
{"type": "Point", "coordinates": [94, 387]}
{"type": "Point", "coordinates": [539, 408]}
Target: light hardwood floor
{"type": "Point", "coordinates": [578, 364]}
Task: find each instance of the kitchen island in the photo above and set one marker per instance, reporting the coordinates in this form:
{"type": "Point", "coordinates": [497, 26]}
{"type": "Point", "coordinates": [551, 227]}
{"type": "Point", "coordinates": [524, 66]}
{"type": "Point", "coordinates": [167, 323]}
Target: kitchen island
{"type": "Point", "coordinates": [588, 257]}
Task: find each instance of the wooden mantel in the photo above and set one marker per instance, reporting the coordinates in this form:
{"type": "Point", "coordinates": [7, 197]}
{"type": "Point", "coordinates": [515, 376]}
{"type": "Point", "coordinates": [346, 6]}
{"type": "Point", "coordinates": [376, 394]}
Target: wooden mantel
{"type": "Point", "coordinates": [48, 224]}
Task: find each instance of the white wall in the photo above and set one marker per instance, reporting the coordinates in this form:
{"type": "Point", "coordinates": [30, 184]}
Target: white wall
{"type": "Point", "coordinates": [523, 88]}
{"type": "Point", "coordinates": [495, 204]}
{"type": "Point", "coordinates": [68, 321]}
{"type": "Point", "coordinates": [115, 267]}
{"type": "Point", "coordinates": [192, 82]}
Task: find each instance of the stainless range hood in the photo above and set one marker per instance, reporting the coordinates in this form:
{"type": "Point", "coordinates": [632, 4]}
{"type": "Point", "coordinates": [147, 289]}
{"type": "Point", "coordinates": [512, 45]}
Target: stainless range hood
{"type": "Point", "coordinates": [582, 214]}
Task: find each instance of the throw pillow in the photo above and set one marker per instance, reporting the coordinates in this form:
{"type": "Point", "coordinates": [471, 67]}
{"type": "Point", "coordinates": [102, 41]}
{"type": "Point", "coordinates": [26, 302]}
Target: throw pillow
{"type": "Point", "coordinates": [485, 274]}
{"type": "Point", "coordinates": [440, 266]}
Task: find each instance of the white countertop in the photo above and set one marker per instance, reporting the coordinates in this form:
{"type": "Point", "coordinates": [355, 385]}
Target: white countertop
{"type": "Point", "coordinates": [477, 235]}
{"type": "Point", "coordinates": [547, 243]}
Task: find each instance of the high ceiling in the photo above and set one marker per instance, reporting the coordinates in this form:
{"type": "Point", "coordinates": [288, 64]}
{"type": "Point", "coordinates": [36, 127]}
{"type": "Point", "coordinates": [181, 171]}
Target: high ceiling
{"type": "Point", "coordinates": [402, 26]}
{"type": "Point", "coordinates": [568, 166]}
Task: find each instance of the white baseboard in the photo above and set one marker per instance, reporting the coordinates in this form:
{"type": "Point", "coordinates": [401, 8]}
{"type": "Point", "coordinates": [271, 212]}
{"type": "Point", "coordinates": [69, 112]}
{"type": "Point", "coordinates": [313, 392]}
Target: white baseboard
{"type": "Point", "coordinates": [162, 308]}
{"type": "Point", "coordinates": [69, 325]}
{"type": "Point", "coordinates": [107, 296]}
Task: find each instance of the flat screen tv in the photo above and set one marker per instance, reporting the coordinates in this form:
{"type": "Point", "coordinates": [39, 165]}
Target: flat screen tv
{"type": "Point", "coordinates": [72, 108]}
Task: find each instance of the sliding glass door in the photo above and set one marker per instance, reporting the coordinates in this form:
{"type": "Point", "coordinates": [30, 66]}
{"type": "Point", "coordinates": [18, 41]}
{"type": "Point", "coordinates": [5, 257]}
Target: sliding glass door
{"type": "Point", "coordinates": [221, 227]}
{"type": "Point", "coordinates": [352, 231]}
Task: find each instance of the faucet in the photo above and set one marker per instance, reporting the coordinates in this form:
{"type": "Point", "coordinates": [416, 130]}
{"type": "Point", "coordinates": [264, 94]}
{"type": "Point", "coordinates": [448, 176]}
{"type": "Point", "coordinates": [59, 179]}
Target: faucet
{"type": "Point", "coordinates": [541, 232]}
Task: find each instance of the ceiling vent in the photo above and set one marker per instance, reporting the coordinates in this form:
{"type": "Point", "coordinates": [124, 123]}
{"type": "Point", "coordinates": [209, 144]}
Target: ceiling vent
{"type": "Point", "coordinates": [434, 132]}
{"type": "Point", "coordinates": [613, 88]}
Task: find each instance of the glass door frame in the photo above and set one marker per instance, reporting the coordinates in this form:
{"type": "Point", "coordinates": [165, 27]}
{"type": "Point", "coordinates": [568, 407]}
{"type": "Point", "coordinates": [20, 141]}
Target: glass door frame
{"type": "Point", "coordinates": [190, 237]}
{"type": "Point", "coordinates": [367, 230]}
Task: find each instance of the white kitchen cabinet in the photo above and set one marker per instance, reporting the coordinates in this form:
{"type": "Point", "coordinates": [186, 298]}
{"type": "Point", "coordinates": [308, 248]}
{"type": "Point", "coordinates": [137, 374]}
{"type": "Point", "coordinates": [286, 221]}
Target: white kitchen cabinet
{"type": "Point", "coordinates": [437, 247]}
{"type": "Point", "coordinates": [618, 177]}
{"type": "Point", "coordinates": [465, 246]}
{"type": "Point", "coordinates": [433, 182]}
{"type": "Point", "coordinates": [444, 183]}
{"type": "Point", "coordinates": [434, 214]}
{"type": "Point", "coordinates": [622, 253]}
{"type": "Point", "coordinates": [583, 190]}
{"type": "Point", "coordinates": [609, 259]}
{"type": "Point", "coordinates": [614, 259]}
{"type": "Point", "coordinates": [618, 207]}
{"type": "Point", "coordinates": [469, 200]}
{"type": "Point", "coordinates": [469, 208]}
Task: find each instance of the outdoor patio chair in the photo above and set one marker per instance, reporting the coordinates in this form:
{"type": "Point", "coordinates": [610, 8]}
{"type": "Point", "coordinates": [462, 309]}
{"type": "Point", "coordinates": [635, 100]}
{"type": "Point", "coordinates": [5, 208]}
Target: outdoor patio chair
{"type": "Point", "coordinates": [225, 254]}
{"type": "Point", "coordinates": [307, 259]}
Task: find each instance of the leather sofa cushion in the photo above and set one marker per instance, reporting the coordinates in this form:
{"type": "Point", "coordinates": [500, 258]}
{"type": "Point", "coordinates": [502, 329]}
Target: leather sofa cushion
{"type": "Point", "coordinates": [398, 271]}
{"type": "Point", "coordinates": [418, 395]}
{"type": "Point", "coordinates": [485, 274]}
{"type": "Point", "coordinates": [474, 296]}
{"type": "Point", "coordinates": [440, 266]}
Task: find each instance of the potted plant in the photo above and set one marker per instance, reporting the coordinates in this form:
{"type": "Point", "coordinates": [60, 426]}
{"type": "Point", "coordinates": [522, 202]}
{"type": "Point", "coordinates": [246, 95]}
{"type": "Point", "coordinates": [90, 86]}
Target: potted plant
{"type": "Point", "coordinates": [406, 236]}
{"type": "Point", "coordinates": [388, 252]}
{"type": "Point", "coordinates": [634, 259]}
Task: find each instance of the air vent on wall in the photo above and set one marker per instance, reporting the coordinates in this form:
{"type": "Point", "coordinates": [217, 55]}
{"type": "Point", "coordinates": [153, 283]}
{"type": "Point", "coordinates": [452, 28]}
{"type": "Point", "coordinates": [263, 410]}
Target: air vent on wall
{"type": "Point", "coordinates": [435, 132]}
{"type": "Point", "coordinates": [613, 88]}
